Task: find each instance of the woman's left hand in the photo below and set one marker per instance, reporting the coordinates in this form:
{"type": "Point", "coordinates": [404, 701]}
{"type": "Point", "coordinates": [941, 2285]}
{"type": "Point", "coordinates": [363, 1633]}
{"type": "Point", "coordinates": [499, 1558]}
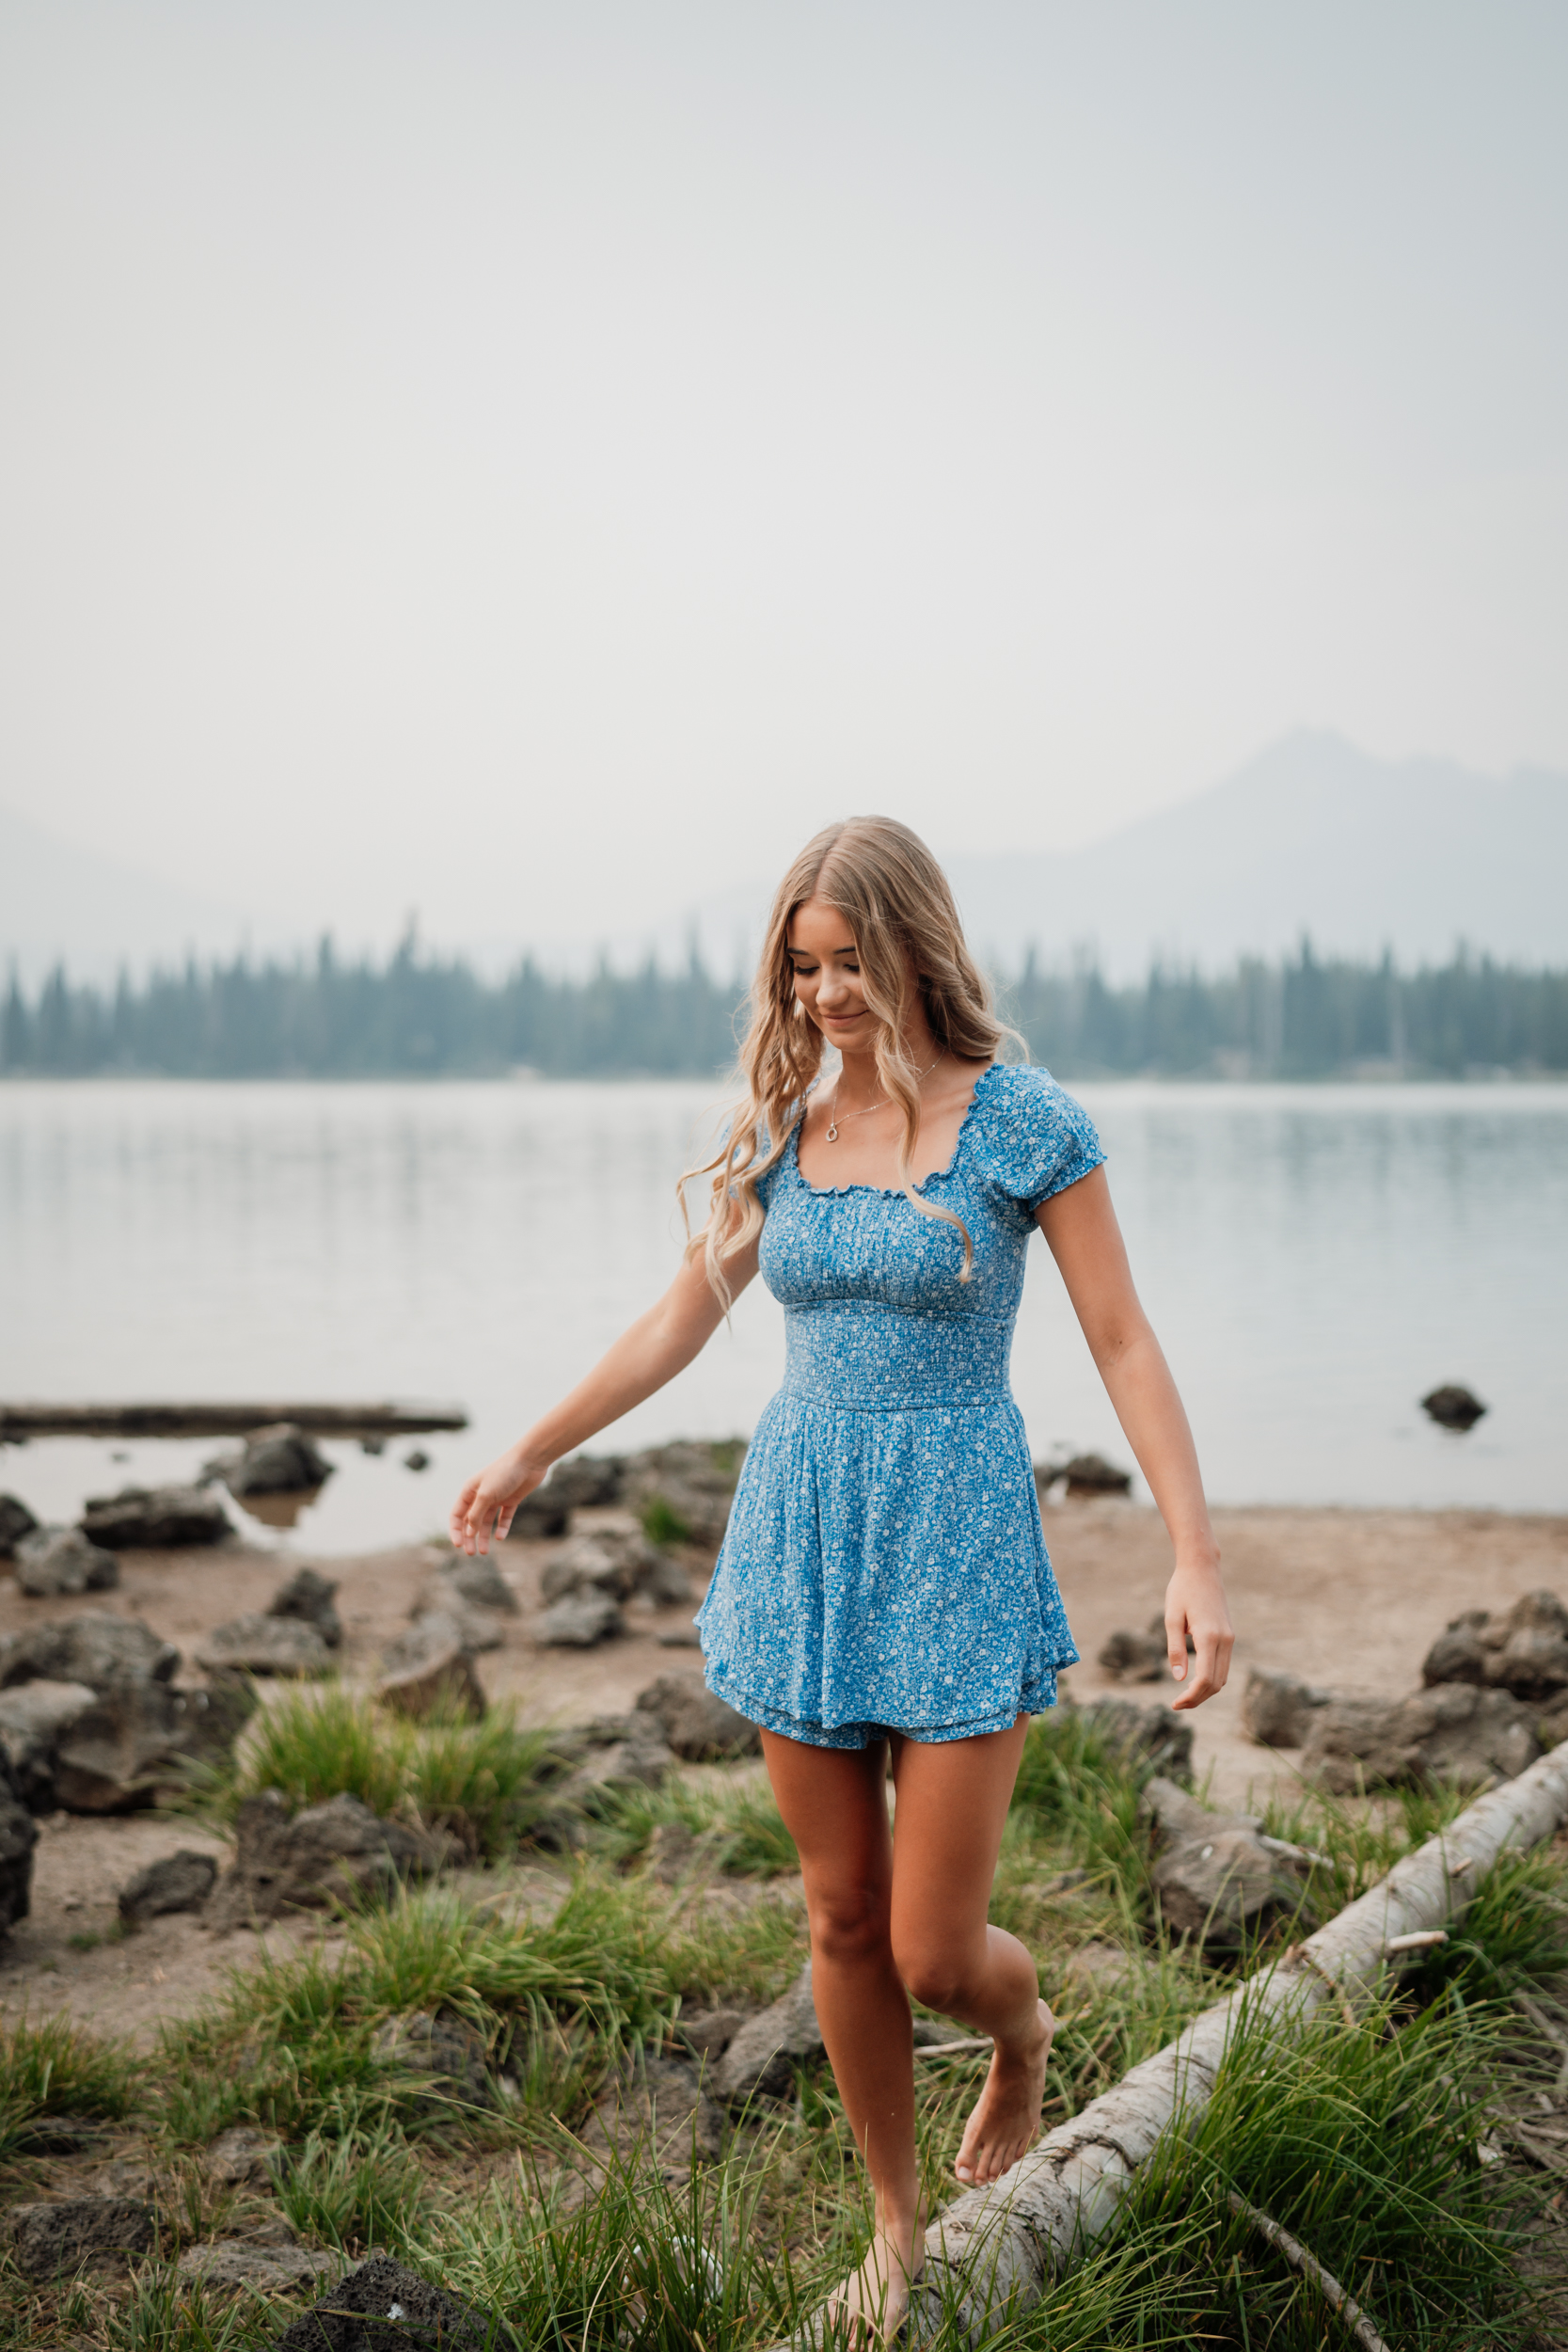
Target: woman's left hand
{"type": "Point", "coordinates": [1195, 1603]}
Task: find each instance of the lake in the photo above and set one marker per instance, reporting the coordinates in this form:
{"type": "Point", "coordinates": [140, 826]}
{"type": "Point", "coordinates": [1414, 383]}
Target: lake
{"type": "Point", "coordinates": [1314, 1259]}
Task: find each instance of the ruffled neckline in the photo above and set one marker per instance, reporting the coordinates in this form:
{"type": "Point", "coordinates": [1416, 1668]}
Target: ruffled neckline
{"type": "Point", "coordinates": [889, 1192]}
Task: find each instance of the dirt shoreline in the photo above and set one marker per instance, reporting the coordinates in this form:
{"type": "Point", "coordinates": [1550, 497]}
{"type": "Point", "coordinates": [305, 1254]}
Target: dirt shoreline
{"type": "Point", "coordinates": [1348, 1597]}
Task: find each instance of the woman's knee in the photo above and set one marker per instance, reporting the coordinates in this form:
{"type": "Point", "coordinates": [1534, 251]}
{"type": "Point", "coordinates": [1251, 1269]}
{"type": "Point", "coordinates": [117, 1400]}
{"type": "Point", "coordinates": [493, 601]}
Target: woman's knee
{"type": "Point", "coordinates": [849, 1918]}
{"type": "Point", "coordinates": [937, 1973]}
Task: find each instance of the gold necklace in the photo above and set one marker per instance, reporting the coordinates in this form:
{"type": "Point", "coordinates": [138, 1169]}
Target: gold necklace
{"type": "Point", "coordinates": [866, 1110]}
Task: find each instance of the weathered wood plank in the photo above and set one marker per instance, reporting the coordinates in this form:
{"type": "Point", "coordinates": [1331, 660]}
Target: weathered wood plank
{"type": "Point", "coordinates": [20, 1421]}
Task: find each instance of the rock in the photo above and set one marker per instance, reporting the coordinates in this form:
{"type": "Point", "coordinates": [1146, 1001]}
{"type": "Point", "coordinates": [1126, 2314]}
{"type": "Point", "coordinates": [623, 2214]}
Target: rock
{"type": "Point", "coordinates": [656, 2114]}
{"type": "Point", "coordinates": [34, 1719]}
{"type": "Point", "coordinates": [384, 2307]}
{"type": "Point", "coordinates": [18, 1836]}
{"type": "Point", "coordinates": [416, 1458]}
{"type": "Point", "coordinates": [241, 2157]}
{"type": "Point", "coordinates": [1216, 1878]}
{"type": "Point", "coordinates": [445, 2049]}
{"type": "Point", "coordinates": [1277, 1709]}
{"type": "Point", "coordinates": [1133, 1657]}
{"type": "Point", "coordinates": [1095, 1967]}
{"type": "Point", "coordinates": [700, 1726]}
{"type": "Point", "coordinates": [683, 1489]}
{"type": "Point", "coordinates": [671, 1853]}
{"type": "Point", "coordinates": [708, 2032]}
{"type": "Point", "coordinates": [1152, 1734]}
{"type": "Point", "coordinates": [1091, 1474]}
{"type": "Point", "coordinates": [681, 1637]}
{"type": "Point", "coordinates": [176, 1882]}
{"type": "Point", "coordinates": [160, 1517]}
{"type": "Point", "coordinates": [333, 1852]}
{"type": "Point", "coordinates": [140, 1737]}
{"type": "Point", "coordinates": [762, 2059]}
{"type": "Point", "coordinates": [257, 1644]}
{"type": "Point", "coordinates": [1452, 1733]}
{"type": "Point", "coordinates": [93, 1648]}
{"type": "Point", "coordinates": [277, 1461]}
{"type": "Point", "coordinates": [429, 1671]}
{"type": "Point", "coordinates": [577, 1622]}
{"type": "Point", "coordinates": [69, 2231]}
{"type": "Point", "coordinates": [1457, 1655]}
{"type": "Point", "coordinates": [237, 2261]}
{"type": "Point", "coordinates": [618, 1751]}
{"type": "Point", "coordinates": [55, 1561]}
{"type": "Point", "coordinates": [309, 1598]}
{"type": "Point", "coordinates": [665, 1582]}
{"type": "Point", "coordinates": [1531, 1656]}
{"type": "Point", "coordinates": [1452, 1407]}
{"type": "Point", "coordinates": [480, 1584]}
{"type": "Point", "coordinates": [536, 1516]}
{"type": "Point", "coordinates": [586, 1482]}
{"type": "Point", "coordinates": [16, 1520]}
{"type": "Point", "coordinates": [604, 1561]}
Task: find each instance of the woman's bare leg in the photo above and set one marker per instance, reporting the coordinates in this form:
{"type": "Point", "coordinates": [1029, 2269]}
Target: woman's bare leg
{"type": "Point", "coordinates": [953, 1800]}
{"type": "Point", "coordinates": [835, 1803]}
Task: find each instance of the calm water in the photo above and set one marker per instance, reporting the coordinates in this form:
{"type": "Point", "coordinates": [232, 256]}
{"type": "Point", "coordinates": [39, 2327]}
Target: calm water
{"type": "Point", "coordinates": [1314, 1259]}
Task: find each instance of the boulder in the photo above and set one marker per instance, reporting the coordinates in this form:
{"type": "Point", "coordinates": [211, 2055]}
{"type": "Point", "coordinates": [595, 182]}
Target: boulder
{"type": "Point", "coordinates": [1143, 1735]}
{"type": "Point", "coordinates": [1217, 1879]}
{"type": "Point", "coordinates": [665, 1582]}
{"type": "Point", "coordinates": [1277, 1709]}
{"type": "Point", "coordinates": [241, 2157]}
{"type": "Point", "coordinates": [586, 1482]}
{"type": "Point", "coordinates": [684, 1489]}
{"type": "Point", "coordinates": [333, 1852]}
{"type": "Point", "coordinates": [18, 1836]}
{"type": "Point", "coordinates": [34, 1719]}
{"type": "Point", "coordinates": [429, 1671]}
{"type": "Point", "coordinates": [239, 2262]}
{"type": "Point", "coordinates": [610, 1560]}
{"type": "Point", "coordinates": [54, 1562]}
{"type": "Point", "coordinates": [617, 1751]}
{"type": "Point", "coordinates": [1524, 1651]}
{"type": "Point", "coordinates": [139, 1739]}
{"type": "Point", "coordinates": [69, 2231]}
{"type": "Point", "coordinates": [536, 1517]}
{"type": "Point", "coordinates": [708, 2032]}
{"type": "Point", "coordinates": [762, 2057]}
{"type": "Point", "coordinates": [385, 2307]}
{"type": "Point", "coordinates": [257, 1644]}
{"type": "Point", "coordinates": [1134, 1657]}
{"type": "Point", "coordinates": [1452, 1407]}
{"type": "Point", "coordinates": [1458, 1653]}
{"type": "Point", "coordinates": [1091, 1474]}
{"type": "Point", "coordinates": [281, 1460]}
{"type": "Point", "coordinates": [94, 1649]}
{"type": "Point", "coordinates": [1452, 1733]}
{"type": "Point", "coordinates": [480, 1584]}
{"type": "Point", "coordinates": [577, 1622]}
{"type": "Point", "coordinates": [448, 2054]}
{"type": "Point", "coordinates": [176, 1882]}
{"type": "Point", "coordinates": [160, 1517]}
{"type": "Point", "coordinates": [699, 1725]}
{"type": "Point", "coordinates": [16, 1520]}
{"type": "Point", "coordinates": [309, 1598]}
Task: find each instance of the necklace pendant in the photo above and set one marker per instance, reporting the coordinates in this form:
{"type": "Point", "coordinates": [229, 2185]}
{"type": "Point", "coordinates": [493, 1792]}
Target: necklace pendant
{"type": "Point", "coordinates": [833, 1132]}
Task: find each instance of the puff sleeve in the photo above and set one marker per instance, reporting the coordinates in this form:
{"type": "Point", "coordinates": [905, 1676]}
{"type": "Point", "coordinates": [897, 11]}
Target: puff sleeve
{"type": "Point", "coordinates": [1037, 1139]}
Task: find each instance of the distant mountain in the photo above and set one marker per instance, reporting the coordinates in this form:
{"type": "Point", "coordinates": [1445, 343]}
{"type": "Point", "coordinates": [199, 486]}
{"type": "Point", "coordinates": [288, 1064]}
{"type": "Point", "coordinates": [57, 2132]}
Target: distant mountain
{"type": "Point", "coordinates": [1312, 835]}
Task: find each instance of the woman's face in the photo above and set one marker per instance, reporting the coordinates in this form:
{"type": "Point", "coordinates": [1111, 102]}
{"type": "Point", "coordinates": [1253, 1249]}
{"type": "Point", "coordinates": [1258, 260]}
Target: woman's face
{"type": "Point", "coordinates": [828, 975]}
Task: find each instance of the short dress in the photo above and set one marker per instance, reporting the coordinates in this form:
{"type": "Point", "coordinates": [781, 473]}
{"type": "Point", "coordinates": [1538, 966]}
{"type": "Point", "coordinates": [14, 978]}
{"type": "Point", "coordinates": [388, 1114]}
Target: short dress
{"type": "Point", "coordinates": [884, 1567]}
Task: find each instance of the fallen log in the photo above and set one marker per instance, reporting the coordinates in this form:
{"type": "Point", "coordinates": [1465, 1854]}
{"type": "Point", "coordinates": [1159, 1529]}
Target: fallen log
{"type": "Point", "coordinates": [996, 2249]}
{"type": "Point", "coordinates": [18, 1422]}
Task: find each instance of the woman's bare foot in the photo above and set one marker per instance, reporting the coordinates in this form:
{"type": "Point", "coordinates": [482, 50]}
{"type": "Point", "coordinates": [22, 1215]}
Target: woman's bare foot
{"type": "Point", "coordinates": [1006, 2115]}
{"type": "Point", "coordinates": [868, 2309]}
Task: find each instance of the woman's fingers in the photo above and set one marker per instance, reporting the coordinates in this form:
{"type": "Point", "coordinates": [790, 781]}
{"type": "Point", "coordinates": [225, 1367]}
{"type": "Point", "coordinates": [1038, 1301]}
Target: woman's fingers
{"type": "Point", "coordinates": [1211, 1665]}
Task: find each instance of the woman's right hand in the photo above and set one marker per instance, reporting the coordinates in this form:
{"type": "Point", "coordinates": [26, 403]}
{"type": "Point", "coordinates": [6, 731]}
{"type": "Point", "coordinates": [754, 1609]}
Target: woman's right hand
{"type": "Point", "coordinates": [484, 1507]}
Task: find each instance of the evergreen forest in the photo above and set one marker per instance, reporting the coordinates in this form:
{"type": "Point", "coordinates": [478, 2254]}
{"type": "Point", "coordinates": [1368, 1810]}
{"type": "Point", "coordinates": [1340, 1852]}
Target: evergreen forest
{"type": "Point", "coordinates": [421, 1015]}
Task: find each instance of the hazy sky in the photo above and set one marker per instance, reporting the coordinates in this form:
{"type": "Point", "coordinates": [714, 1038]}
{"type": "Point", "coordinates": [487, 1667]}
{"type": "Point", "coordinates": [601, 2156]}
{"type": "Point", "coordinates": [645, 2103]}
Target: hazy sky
{"type": "Point", "coordinates": [537, 463]}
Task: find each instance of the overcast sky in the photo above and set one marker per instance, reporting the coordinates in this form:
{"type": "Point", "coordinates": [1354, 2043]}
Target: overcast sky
{"type": "Point", "coordinates": [536, 463]}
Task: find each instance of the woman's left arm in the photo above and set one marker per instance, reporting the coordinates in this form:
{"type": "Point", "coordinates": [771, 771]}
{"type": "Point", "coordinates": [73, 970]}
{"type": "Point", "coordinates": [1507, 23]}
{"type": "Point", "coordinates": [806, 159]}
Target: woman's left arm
{"type": "Point", "coordinates": [1081, 1228]}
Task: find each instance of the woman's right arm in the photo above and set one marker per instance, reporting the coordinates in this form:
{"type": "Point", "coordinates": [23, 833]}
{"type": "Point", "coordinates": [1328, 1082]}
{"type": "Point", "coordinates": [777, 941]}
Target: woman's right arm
{"type": "Point", "coordinates": [658, 1345]}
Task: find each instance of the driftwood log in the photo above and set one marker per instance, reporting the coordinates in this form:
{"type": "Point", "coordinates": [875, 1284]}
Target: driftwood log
{"type": "Point", "coordinates": [999, 2248]}
{"type": "Point", "coordinates": [18, 1422]}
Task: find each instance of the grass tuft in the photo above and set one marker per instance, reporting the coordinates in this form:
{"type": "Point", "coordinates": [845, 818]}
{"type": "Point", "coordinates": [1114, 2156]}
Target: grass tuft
{"type": "Point", "coordinates": [58, 2068]}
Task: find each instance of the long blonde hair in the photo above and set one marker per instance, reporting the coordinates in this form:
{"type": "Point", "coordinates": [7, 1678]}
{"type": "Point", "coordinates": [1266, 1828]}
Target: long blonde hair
{"type": "Point", "coordinates": [895, 899]}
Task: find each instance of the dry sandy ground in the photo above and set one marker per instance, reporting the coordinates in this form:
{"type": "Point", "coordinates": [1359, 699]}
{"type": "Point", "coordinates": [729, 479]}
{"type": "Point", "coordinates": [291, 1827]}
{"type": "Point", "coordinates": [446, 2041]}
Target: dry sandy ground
{"type": "Point", "coordinates": [1348, 1597]}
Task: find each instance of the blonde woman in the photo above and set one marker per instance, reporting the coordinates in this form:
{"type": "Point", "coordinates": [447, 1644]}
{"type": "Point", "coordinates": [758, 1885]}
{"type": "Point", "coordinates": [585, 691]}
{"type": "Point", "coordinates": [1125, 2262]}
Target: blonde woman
{"type": "Point", "coordinates": [883, 1601]}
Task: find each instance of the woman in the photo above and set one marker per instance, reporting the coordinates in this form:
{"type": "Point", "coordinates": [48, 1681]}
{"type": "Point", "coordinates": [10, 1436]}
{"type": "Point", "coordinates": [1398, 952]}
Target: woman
{"type": "Point", "coordinates": [883, 1599]}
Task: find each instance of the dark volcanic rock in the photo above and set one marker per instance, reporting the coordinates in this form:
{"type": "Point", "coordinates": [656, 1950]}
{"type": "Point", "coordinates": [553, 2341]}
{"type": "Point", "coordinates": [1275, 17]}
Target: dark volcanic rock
{"type": "Point", "coordinates": [480, 1584]}
{"type": "Point", "coordinates": [694, 1483]}
{"type": "Point", "coordinates": [331, 1852]}
{"type": "Point", "coordinates": [160, 1517]}
{"type": "Point", "coordinates": [429, 1671]}
{"type": "Point", "coordinates": [281, 1460]}
{"type": "Point", "coordinates": [384, 2307]}
{"type": "Point", "coordinates": [1277, 1709]}
{"type": "Point", "coordinates": [16, 1520]}
{"type": "Point", "coordinates": [536, 1516]}
{"type": "Point", "coordinates": [1091, 1474]}
{"type": "Point", "coordinates": [140, 1737]}
{"type": "Point", "coordinates": [1216, 1878]}
{"type": "Point", "coordinates": [309, 1598]}
{"type": "Point", "coordinates": [239, 2262]}
{"type": "Point", "coordinates": [18, 1836]}
{"type": "Point", "coordinates": [34, 1719]}
{"type": "Point", "coordinates": [1452, 1407]}
{"type": "Point", "coordinates": [54, 1562]}
{"type": "Point", "coordinates": [1525, 1652]}
{"type": "Point", "coordinates": [698, 1724]}
{"type": "Point", "coordinates": [761, 2057]}
{"type": "Point", "coordinates": [259, 1643]}
{"type": "Point", "coordinates": [587, 1482]}
{"type": "Point", "coordinates": [94, 1649]}
{"type": "Point", "coordinates": [618, 1751]}
{"type": "Point", "coordinates": [1133, 1657]}
{"type": "Point", "coordinates": [577, 1621]}
{"type": "Point", "coordinates": [71, 2230]}
{"type": "Point", "coordinates": [240, 2157]}
{"type": "Point", "coordinates": [1453, 1733]}
{"type": "Point", "coordinates": [176, 1882]}
{"type": "Point", "coordinates": [1152, 1734]}
{"type": "Point", "coordinates": [447, 2050]}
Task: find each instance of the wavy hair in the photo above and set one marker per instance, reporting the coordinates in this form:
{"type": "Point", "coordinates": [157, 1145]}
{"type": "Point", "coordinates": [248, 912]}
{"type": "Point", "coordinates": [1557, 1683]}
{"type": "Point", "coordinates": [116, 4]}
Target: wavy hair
{"type": "Point", "coordinates": [896, 900]}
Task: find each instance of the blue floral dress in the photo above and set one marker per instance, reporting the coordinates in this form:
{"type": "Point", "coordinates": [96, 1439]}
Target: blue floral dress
{"type": "Point", "coordinates": [884, 1567]}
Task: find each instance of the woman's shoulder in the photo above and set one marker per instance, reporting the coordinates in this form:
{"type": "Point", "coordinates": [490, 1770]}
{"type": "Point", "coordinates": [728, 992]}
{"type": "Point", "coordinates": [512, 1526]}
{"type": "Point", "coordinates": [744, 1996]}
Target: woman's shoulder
{"type": "Point", "coordinates": [1034, 1138]}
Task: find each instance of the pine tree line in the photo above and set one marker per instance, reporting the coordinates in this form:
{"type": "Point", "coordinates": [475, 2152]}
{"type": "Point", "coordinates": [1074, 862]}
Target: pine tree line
{"type": "Point", "coordinates": [417, 1015]}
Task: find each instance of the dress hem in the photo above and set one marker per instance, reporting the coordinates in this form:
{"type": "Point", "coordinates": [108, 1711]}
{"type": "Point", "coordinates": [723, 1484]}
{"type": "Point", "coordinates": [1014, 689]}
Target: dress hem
{"type": "Point", "coordinates": [1037, 1700]}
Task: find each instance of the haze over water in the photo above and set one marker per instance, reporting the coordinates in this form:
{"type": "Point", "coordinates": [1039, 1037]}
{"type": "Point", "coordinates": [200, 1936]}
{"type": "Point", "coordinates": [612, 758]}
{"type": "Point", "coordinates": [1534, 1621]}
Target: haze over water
{"type": "Point", "coordinates": [1314, 1259]}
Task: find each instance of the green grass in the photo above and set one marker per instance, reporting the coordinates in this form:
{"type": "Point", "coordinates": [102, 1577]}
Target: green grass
{"type": "Point", "coordinates": [486, 1784]}
{"type": "Point", "coordinates": [58, 2068]}
{"type": "Point", "coordinates": [355, 2182]}
{"type": "Point", "coordinates": [739, 1828]}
